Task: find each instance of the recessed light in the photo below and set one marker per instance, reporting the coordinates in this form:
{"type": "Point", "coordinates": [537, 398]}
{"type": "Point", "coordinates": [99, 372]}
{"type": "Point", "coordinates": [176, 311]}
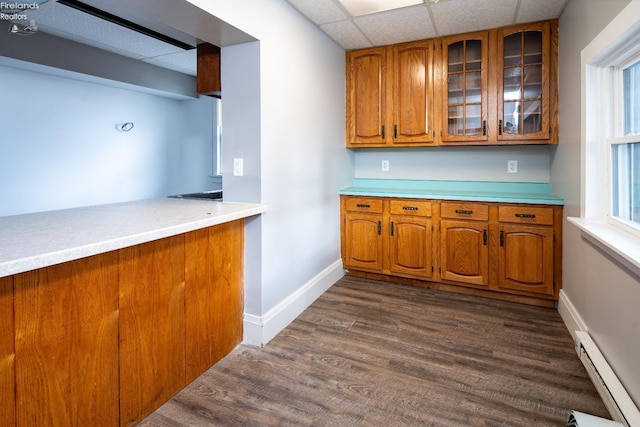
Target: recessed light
{"type": "Point", "coordinates": [364, 7]}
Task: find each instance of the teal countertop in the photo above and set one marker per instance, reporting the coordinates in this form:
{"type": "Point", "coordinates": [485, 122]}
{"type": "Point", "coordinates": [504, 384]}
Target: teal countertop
{"type": "Point", "coordinates": [479, 191]}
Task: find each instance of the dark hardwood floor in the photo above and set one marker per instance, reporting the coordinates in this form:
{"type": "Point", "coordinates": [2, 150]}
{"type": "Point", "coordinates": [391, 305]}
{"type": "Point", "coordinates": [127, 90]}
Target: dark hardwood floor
{"type": "Point", "coordinates": [371, 353]}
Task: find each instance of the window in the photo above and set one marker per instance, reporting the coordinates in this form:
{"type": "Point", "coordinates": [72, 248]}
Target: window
{"type": "Point", "coordinates": [625, 148]}
{"type": "Point", "coordinates": [610, 196]}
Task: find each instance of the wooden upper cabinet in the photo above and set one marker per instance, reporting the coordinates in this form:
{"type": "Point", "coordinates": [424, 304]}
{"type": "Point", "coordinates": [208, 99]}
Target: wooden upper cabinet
{"type": "Point", "coordinates": [412, 92]}
{"type": "Point", "coordinates": [463, 65]}
{"type": "Point", "coordinates": [366, 96]}
{"type": "Point", "coordinates": [523, 64]}
{"type": "Point", "coordinates": [488, 87]}
{"type": "Point", "coordinates": [389, 95]}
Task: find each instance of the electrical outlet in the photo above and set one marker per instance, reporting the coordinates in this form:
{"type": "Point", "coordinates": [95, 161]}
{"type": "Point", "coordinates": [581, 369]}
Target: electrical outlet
{"type": "Point", "coordinates": [238, 167]}
{"type": "Point", "coordinates": [512, 166]}
{"type": "Point", "coordinates": [385, 166]}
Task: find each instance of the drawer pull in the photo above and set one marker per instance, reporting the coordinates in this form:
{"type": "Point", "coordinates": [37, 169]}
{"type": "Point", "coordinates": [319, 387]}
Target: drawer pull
{"type": "Point", "coordinates": [530, 216]}
{"type": "Point", "coordinates": [409, 208]}
{"type": "Point", "coordinates": [464, 211]}
{"type": "Point", "coordinates": [363, 205]}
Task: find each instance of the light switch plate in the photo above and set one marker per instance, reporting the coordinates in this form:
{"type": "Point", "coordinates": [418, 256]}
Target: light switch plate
{"type": "Point", "coordinates": [238, 167]}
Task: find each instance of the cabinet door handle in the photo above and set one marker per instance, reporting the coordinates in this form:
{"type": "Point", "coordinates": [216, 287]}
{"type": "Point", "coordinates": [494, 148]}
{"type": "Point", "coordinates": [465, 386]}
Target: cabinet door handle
{"type": "Point", "coordinates": [501, 237]}
{"type": "Point", "coordinates": [382, 131]}
{"type": "Point", "coordinates": [530, 216]}
{"type": "Point", "coordinates": [499, 127]}
{"type": "Point", "coordinates": [484, 237]}
{"type": "Point", "coordinates": [392, 228]}
{"type": "Point", "coordinates": [409, 208]}
{"type": "Point", "coordinates": [464, 211]}
{"type": "Point", "coordinates": [379, 227]}
{"type": "Point", "coordinates": [484, 128]}
{"type": "Point", "coordinates": [363, 205]}
{"type": "Point", "coordinates": [395, 131]}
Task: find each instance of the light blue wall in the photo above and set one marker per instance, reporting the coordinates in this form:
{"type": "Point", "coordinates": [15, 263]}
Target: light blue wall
{"type": "Point", "coordinates": [59, 147]}
{"type": "Point", "coordinates": [605, 294]}
{"type": "Point", "coordinates": [456, 163]}
{"type": "Point", "coordinates": [287, 122]}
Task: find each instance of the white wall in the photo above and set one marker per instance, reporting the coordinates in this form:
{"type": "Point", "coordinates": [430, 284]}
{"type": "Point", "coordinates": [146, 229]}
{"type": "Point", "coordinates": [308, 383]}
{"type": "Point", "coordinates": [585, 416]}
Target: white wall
{"type": "Point", "coordinates": [283, 112]}
{"type": "Point", "coordinates": [59, 147]}
{"type": "Point", "coordinates": [605, 295]}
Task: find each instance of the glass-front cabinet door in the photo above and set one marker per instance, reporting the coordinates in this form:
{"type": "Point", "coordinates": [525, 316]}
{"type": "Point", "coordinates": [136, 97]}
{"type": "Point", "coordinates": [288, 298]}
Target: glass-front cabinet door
{"type": "Point", "coordinates": [464, 72]}
{"type": "Point", "coordinates": [523, 90]}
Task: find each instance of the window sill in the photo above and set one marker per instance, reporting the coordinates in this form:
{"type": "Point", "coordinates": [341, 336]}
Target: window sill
{"type": "Point", "coordinates": [622, 246]}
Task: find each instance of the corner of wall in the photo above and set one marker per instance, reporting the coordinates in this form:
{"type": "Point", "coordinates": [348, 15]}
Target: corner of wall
{"type": "Point", "coordinates": [259, 330]}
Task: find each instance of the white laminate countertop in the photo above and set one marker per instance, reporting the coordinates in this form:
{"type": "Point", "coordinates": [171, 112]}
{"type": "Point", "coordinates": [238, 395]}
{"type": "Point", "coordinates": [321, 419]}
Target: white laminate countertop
{"type": "Point", "coordinates": [37, 240]}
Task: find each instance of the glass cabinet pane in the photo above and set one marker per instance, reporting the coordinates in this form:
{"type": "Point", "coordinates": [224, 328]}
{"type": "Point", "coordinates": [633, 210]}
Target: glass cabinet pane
{"type": "Point", "coordinates": [456, 54]}
{"type": "Point", "coordinates": [522, 83]}
{"type": "Point", "coordinates": [465, 89]}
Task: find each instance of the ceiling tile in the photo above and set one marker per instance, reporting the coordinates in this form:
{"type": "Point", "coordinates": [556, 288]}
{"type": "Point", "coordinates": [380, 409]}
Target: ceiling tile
{"type": "Point", "coordinates": [538, 10]}
{"type": "Point", "coordinates": [63, 21]}
{"type": "Point", "coordinates": [320, 12]}
{"type": "Point", "coordinates": [346, 34]}
{"type": "Point", "coordinates": [396, 26]}
{"type": "Point", "coordinates": [461, 16]}
{"type": "Point", "coordinates": [183, 62]}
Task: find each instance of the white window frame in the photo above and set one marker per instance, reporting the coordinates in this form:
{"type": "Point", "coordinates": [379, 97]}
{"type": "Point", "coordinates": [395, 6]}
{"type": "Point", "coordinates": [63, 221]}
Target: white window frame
{"type": "Point", "coordinates": [602, 61]}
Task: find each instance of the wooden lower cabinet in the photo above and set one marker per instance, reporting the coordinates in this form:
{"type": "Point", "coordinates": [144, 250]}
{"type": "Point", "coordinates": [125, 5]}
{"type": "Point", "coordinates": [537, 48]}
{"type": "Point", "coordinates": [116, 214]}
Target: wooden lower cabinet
{"type": "Point", "coordinates": [7, 354]}
{"type": "Point", "coordinates": [152, 328]}
{"type": "Point", "coordinates": [388, 236]}
{"type": "Point", "coordinates": [464, 252]}
{"type": "Point", "coordinates": [410, 247]}
{"type": "Point", "coordinates": [526, 259]}
{"type": "Point", "coordinates": [66, 344]}
{"type": "Point", "coordinates": [499, 250]}
{"type": "Point", "coordinates": [214, 295]}
{"type": "Point", "coordinates": [107, 339]}
{"type": "Point", "coordinates": [363, 232]}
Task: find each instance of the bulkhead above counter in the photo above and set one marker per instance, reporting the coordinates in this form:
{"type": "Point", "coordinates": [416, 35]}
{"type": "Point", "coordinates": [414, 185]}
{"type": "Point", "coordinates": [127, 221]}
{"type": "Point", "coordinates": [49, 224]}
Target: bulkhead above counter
{"type": "Point", "coordinates": [493, 87]}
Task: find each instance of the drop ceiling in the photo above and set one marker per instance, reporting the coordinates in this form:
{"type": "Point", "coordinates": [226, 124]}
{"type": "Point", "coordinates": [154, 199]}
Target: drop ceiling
{"type": "Point", "coordinates": [422, 21]}
{"type": "Point", "coordinates": [66, 22]}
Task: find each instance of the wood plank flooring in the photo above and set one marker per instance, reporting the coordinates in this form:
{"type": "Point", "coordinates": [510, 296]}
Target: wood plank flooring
{"type": "Point", "coordinates": [370, 353]}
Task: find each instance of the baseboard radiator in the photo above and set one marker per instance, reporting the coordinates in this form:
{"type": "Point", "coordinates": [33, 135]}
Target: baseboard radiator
{"type": "Point", "coordinates": [611, 390]}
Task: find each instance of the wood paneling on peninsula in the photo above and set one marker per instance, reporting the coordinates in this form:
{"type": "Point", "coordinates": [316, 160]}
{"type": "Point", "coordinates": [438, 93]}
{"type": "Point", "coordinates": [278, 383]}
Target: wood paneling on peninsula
{"type": "Point", "coordinates": [105, 340]}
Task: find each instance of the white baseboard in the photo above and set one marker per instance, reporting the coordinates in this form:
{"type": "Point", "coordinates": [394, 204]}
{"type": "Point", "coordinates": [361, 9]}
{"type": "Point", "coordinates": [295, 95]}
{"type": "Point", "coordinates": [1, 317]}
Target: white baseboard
{"type": "Point", "coordinates": [570, 315]}
{"type": "Point", "coordinates": [259, 330]}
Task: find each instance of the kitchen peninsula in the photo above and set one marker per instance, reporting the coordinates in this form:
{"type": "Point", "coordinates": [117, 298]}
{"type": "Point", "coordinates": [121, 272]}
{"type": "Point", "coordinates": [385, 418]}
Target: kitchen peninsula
{"type": "Point", "coordinates": [108, 311]}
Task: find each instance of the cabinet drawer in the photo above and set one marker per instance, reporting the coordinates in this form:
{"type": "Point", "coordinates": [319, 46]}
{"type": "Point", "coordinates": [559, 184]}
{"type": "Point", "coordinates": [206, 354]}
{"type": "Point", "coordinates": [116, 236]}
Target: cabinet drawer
{"type": "Point", "coordinates": [410, 207]}
{"type": "Point", "coordinates": [526, 214]}
{"type": "Point", "coordinates": [476, 211]}
{"type": "Point", "coordinates": [363, 204]}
